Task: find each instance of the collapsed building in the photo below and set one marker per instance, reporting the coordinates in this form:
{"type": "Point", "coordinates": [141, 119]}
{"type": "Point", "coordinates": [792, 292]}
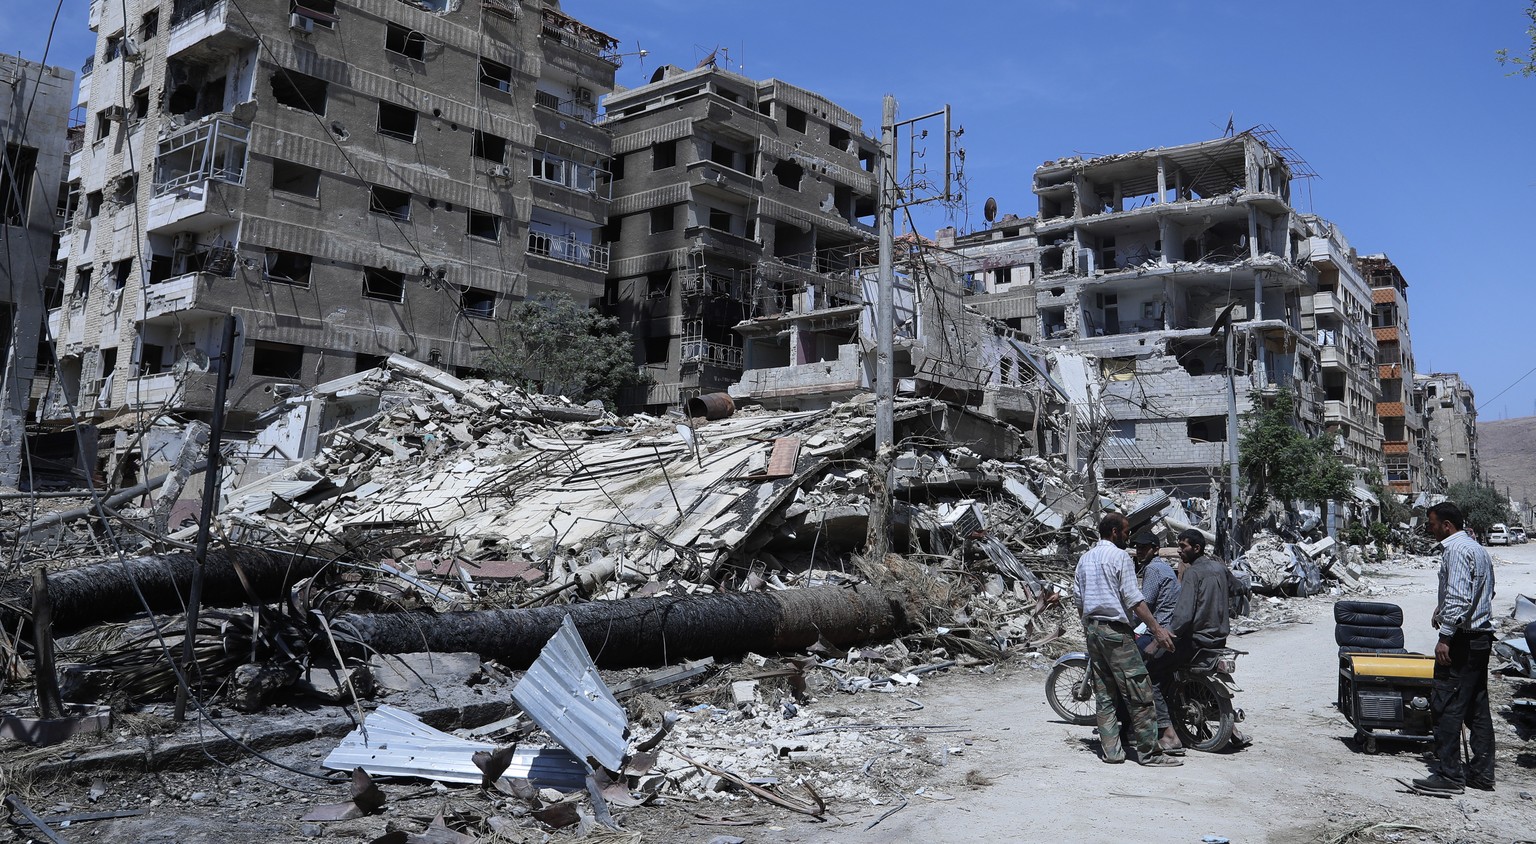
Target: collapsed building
{"type": "Point", "coordinates": [347, 180]}
{"type": "Point", "coordinates": [34, 110]}
{"type": "Point", "coordinates": [733, 199]}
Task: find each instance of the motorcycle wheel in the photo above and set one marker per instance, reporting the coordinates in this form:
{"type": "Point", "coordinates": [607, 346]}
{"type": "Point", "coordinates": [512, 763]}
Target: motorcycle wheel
{"type": "Point", "coordinates": [1202, 718]}
{"type": "Point", "coordinates": [1065, 689]}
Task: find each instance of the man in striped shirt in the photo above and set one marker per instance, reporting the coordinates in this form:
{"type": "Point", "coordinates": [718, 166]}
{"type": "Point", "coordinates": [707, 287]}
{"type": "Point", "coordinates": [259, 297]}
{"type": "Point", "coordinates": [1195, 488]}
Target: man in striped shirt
{"type": "Point", "coordinates": [1108, 596]}
{"type": "Point", "coordinates": [1464, 619]}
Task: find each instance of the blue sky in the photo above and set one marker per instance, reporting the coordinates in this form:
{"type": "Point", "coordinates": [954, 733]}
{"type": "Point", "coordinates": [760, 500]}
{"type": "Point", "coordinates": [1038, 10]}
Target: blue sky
{"type": "Point", "coordinates": [1426, 150]}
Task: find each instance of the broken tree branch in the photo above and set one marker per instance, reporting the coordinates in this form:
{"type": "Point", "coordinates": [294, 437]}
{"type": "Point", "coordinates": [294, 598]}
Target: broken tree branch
{"type": "Point", "coordinates": [49, 703]}
{"type": "Point", "coordinates": [113, 500]}
{"type": "Point", "coordinates": [642, 631]}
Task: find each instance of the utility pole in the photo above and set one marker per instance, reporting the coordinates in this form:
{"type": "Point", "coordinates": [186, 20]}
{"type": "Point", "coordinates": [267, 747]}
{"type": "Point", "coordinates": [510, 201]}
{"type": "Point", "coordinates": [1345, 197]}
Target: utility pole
{"type": "Point", "coordinates": [205, 517]}
{"type": "Point", "coordinates": [885, 301]}
{"type": "Point", "coordinates": [1226, 540]}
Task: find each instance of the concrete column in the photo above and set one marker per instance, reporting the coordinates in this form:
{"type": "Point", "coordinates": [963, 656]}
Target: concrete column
{"type": "Point", "coordinates": [1162, 180]}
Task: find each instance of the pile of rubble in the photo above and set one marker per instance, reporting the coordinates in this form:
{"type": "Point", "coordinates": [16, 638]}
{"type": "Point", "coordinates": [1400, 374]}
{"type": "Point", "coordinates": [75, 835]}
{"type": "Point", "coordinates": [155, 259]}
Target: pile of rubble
{"type": "Point", "coordinates": [402, 516]}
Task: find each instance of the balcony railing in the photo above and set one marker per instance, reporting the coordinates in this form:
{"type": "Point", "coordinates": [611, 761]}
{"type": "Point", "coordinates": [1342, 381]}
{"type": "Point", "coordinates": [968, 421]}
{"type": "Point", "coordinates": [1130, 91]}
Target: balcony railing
{"type": "Point", "coordinates": [586, 112]}
{"type": "Point", "coordinates": [705, 353]}
{"type": "Point", "coordinates": [215, 150]}
{"type": "Point", "coordinates": [568, 249]}
{"type": "Point", "coordinates": [578, 36]}
{"type": "Point", "coordinates": [703, 283]}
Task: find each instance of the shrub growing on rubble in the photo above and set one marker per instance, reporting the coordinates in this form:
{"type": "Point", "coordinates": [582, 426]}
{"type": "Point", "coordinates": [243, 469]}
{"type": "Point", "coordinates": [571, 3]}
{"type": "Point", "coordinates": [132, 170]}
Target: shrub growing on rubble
{"type": "Point", "coordinates": [1279, 462]}
{"type": "Point", "coordinates": [558, 346]}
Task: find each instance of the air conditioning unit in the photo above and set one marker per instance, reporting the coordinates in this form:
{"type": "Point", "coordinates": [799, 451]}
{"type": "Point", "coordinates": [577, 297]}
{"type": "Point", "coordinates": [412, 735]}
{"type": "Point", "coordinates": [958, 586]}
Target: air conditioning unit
{"type": "Point", "coordinates": [183, 242]}
{"type": "Point", "coordinates": [113, 113]}
{"type": "Point", "coordinates": [500, 171]}
{"type": "Point", "coordinates": [301, 23]}
{"type": "Point", "coordinates": [584, 96]}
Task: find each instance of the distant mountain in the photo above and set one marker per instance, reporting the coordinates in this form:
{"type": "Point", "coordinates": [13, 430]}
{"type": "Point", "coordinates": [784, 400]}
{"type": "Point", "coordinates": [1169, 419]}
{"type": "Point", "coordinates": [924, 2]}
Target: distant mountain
{"type": "Point", "coordinates": [1507, 449]}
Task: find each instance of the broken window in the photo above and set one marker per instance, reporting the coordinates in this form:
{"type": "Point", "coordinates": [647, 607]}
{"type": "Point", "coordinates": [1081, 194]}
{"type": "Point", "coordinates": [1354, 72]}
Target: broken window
{"type": "Point", "coordinates": [664, 155]}
{"type": "Point", "coordinates": [384, 285]}
{"type": "Point", "coordinates": [397, 121]}
{"type": "Point", "coordinates": [657, 349]}
{"type": "Point", "coordinates": [494, 74]}
{"type": "Point", "coordinates": [485, 225]}
{"type": "Point", "coordinates": [151, 358]}
{"type": "Point", "coordinates": [789, 174]}
{"type": "Point", "coordinates": [149, 25]}
{"type": "Point", "coordinates": [299, 179]}
{"type": "Point", "coordinates": [121, 272]}
{"type": "Point", "coordinates": [288, 267]}
{"type": "Point", "coordinates": [365, 362]}
{"type": "Point", "coordinates": [391, 203]}
{"type": "Point", "coordinates": [277, 360]}
{"type": "Point", "coordinates": [82, 281]}
{"type": "Point", "coordinates": [104, 123]}
{"type": "Point", "coordinates": [16, 183]}
{"type": "Point", "coordinates": [113, 48]}
{"type": "Point", "coordinates": [839, 137]}
{"type": "Point", "coordinates": [611, 291]}
{"type": "Point", "coordinates": [161, 268]}
{"type": "Point", "coordinates": [489, 147]}
{"type": "Point", "coordinates": [616, 167]}
{"type": "Point", "coordinates": [125, 189]}
{"type": "Point", "coordinates": [1207, 429]}
{"type": "Point", "coordinates": [723, 155]}
{"type": "Point", "coordinates": [794, 118]}
{"type": "Point", "coordinates": [1052, 260]}
{"type": "Point", "coordinates": [1123, 429]}
{"type": "Point", "coordinates": [93, 203]}
{"type": "Point", "coordinates": [140, 104]}
{"type": "Point", "coordinates": [301, 91]}
{"type": "Point", "coordinates": [476, 302]}
{"type": "Point", "coordinates": [663, 219]}
{"type": "Point", "coordinates": [658, 284]}
{"type": "Point", "coordinates": [719, 219]}
{"type": "Point", "coordinates": [405, 41]}
{"type": "Point", "coordinates": [322, 12]}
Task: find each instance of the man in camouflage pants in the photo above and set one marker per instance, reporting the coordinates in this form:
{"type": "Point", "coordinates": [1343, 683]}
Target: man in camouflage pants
{"type": "Point", "coordinates": [1108, 596]}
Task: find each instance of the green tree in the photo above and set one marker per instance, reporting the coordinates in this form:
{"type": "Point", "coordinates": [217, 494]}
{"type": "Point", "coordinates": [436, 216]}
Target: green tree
{"type": "Point", "coordinates": [1481, 506]}
{"type": "Point", "coordinates": [1523, 66]}
{"type": "Point", "coordinates": [558, 346]}
{"type": "Point", "coordinates": [1280, 462]}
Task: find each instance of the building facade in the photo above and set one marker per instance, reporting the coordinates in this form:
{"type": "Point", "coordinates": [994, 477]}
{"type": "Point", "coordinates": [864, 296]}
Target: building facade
{"type": "Point", "coordinates": [1134, 259]}
{"type": "Point", "coordinates": [1452, 422]}
{"type": "Point", "coordinates": [1409, 468]}
{"type": "Point", "coordinates": [1339, 317]}
{"type": "Point", "coordinates": [346, 178]}
{"type": "Point", "coordinates": [35, 103]}
{"type": "Point", "coordinates": [733, 199]}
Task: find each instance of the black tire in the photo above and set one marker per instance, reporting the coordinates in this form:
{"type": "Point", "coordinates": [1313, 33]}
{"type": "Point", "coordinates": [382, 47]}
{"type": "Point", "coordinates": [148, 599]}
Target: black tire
{"type": "Point", "coordinates": [1202, 717]}
{"type": "Point", "coordinates": [1062, 687]}
{"type": "Point", "coordinates": [1368, 614]}
{"type": "Point", "coordinates": [1371, 638]}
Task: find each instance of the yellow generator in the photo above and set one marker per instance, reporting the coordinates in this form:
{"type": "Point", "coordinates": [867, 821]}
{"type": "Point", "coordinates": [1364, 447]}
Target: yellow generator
{"type": "Point", "coordinates": [1384, 691]}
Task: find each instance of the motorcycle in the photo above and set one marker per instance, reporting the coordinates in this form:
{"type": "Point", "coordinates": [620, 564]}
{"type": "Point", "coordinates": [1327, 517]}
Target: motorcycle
{"type": "Point", "coordinates": [1199, 703]}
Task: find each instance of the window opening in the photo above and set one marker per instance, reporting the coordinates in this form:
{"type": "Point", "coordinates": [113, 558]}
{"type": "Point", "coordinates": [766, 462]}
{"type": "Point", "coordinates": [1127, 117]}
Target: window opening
{"type": "Point", "coordinates": [494, 74]}
{"type": "Point", "coordinates": [288, 268]}
{"type": "Point", "coordinates": [664, 155]}
{"type": "Point", "coordinates": [300, 91]}
{"type": "Point", "coordinates": [397, 121]}
{"type": "Point", "coordinates": [489, 147]}
{"type": "Point", "coordinates": [384, 285]}
{"type": "Point", "coordinates": [484, 225]}
{"type": "Point", "coordinates": [476, 302]}
{"type": "Point", "coordinates": [391, 203]}
{"type": "Point", "coordinates": [277, 360]}
{"type": "Point", "coordinates": [405, 41]}
{"type": "Point", "coordinates": [299, 179]}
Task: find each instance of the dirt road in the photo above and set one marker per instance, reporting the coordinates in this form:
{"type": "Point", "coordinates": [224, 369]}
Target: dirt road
{"type": "Point", "coordinates": [1301, 780]}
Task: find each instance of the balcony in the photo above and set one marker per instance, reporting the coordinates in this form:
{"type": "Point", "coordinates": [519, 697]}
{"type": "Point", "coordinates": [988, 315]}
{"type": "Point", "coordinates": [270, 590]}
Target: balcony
{"type": "Point", "coordinates": [1394, 447]}
{"type": "Point", "coordinates": [582, 110]}
{"type": "Point", "coordinates": [549, 168]}
{"type": "Point", "coordinates": [1326, 303]}
{"type": "Point", "coordinates": [568, 250]}
{"type": "Point", "coordinates": [210, 26]}
{"type": "Point", "coordinates": [186, 389]}
{"type": "Point", "coordinates": [704, 353]}
{"type": "Point", "coordinates": [180, 296]}
{"type": "Point", "coordinates": [1331, 358]}
{"type": "Point", "coordinates": [720, 179]}
{"type": "Point", "coordinates": [188, 169]}
{"type": "Point", "coordinates": [565, 30]}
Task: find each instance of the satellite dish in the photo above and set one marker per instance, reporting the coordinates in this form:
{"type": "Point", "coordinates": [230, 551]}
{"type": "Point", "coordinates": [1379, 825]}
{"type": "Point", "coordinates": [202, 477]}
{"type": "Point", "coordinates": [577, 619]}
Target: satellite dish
{"type": "Point", "coordinates": [990, 209]}
{"type": "Point", "coordinates": [660, 74]}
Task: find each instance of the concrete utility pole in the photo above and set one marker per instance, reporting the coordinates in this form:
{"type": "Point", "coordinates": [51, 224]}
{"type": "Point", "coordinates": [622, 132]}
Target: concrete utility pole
{"type": "Point", "coordinates": [885, 302]}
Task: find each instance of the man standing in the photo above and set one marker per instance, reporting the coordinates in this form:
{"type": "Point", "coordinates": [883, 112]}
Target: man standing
{"type": "Point", "coordinates": [1108, 596]}
{"type": "Point", "coordinates": [1160, 588]}
{"type": "Point", "coordinates": [1464, 618]}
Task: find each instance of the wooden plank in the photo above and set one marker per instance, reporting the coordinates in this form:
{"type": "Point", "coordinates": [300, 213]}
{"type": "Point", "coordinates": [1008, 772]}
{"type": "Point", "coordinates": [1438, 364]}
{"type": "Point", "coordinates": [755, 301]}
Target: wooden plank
{"type": "Point", "coordinates": [782, 460]}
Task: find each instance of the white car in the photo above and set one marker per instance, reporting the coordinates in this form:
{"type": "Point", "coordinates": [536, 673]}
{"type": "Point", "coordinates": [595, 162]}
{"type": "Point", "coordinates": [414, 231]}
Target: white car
{"type": "Point", "coordinates": [1498, 535]}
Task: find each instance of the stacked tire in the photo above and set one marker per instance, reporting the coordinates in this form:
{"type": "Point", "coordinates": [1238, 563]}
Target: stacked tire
{"type": "Point", "coordinates": [1368, 626]}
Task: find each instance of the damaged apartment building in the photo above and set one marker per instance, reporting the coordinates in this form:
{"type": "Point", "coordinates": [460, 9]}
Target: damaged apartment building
{"type": "Point", "coordinates": [1338, 315]}
{"type": "Point", "coordinates": [1132, 259]}
{"type": "Point", "coordinates": [34, 112]}
{"type": "Point", "coordinates": [1451, 409]}
{"type": "Point", "coordinates": [348, 179]}
{"type": "Point", "coordinates": [734, 199]}
{"type": "Point", "coordinates": [1412, 464]}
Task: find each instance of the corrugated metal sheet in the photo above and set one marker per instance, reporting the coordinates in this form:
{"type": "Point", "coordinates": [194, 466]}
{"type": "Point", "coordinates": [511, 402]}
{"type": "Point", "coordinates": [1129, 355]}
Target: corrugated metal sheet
{"type": "Point", "coordinates": [400, 744]}
{"type": "Point", "coordinates": [563, 693]}
{"type": "Point", "coordinates": [782, 460]}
